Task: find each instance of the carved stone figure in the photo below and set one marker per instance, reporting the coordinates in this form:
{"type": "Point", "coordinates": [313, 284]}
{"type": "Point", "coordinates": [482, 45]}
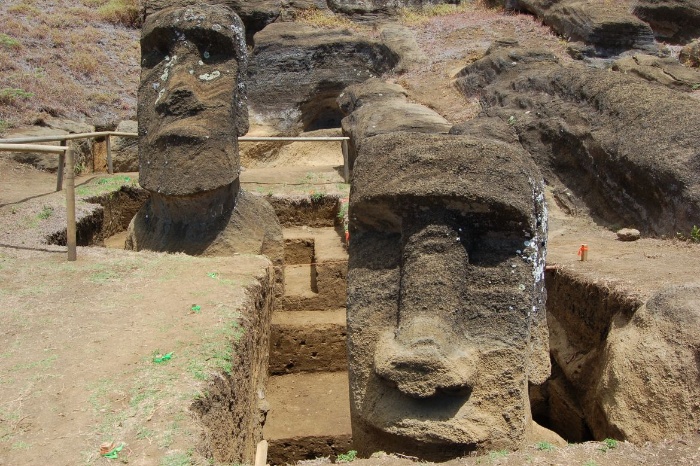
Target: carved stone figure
{"type": "Point", "coordinates": [191, 109]}
{"type": "Point", "coordinates": [446, 316]}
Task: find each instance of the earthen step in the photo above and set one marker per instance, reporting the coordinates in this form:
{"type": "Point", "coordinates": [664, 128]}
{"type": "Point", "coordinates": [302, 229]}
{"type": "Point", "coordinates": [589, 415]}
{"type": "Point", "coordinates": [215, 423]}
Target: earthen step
{"type": "Point", "coordinates": [308, 341]}
{"type": "Point", "coordinates": [309, 416]}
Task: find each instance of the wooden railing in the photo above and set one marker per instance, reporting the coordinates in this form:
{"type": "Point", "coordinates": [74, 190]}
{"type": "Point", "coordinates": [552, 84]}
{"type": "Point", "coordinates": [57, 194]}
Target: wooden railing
{"type": "Point", "coordinates": [68, 153]}
{"type": "Point", "coordinates": [66, 159]}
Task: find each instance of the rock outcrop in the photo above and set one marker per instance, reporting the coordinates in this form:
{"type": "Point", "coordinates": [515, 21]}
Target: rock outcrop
{"type": "Point", "coordinates": [666, 71]}
{"type": "Point", "coordinates": [648, 388]}
{"type": "Point", "coordinates": [445, 294]}
{"type": "Point", "coordinates": [675, 21]}
{"type": "Point", "coordinates": [626, 148]}
{"type": "Point", "coordinates": [297, 72]}
{"type": "Point", "coordinates": [376, 107]}
{"type": "Point", "coordinates": [609, 28]}
{"type": "Point", "coordinates": [125, 151]}
{"type": "Point", "coordinates": [690, 54]}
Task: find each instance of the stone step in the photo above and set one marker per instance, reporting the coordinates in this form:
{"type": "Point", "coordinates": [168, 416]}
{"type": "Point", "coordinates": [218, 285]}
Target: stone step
{"type": "Point", "coordinates": [309, 416]}
{"type": "Point", "coordinates": [308, 341]}
{"type": "Point", "coordinates": [315, 269]}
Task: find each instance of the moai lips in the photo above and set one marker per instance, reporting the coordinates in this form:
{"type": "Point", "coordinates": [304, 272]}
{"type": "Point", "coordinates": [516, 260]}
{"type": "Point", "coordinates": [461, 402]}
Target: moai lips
{"type": "Point", "coordinates": [445, 294]}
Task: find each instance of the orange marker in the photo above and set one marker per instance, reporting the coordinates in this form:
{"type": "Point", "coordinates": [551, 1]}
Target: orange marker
{"type": "Point", "coordinates": [583, 252]}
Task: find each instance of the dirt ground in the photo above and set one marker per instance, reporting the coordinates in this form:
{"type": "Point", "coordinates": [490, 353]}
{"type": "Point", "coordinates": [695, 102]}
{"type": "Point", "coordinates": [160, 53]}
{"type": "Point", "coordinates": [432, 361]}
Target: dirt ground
{"type": "Point", "coordinates": [78, 340]}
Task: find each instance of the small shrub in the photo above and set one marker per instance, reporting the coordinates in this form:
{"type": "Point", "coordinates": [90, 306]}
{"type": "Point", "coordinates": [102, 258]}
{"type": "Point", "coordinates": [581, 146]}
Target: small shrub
{"type": "Point", "coordinates": [498, 454]}
{"type": "Point", "coordinates": [544, 446]}
{"type": "Point", "coordinates": [695, 234]}
{"type": "Point", "coordinates": [84, 63]}
{"type": "Point", "coordinates": [325, 20]}
{"type": "Point", "coordinates": [608, 444]}
{"type": "Point", "coordinates": [317, 197]}
{"type": "Point", "coordinates": [347, 457]}
{"type": "Point", "coordinates": [45, 213]}
{"type": "Point", "coordinates": [9, 42]}
{"type": "Point", "coordinates": [123, 12]}
{"type": "Point", "coordinates": [10, 95]}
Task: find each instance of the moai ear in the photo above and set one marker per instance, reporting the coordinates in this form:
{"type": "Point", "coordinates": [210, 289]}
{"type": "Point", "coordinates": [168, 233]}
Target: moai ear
{"type": "Point", "coordinates": [540, 366]}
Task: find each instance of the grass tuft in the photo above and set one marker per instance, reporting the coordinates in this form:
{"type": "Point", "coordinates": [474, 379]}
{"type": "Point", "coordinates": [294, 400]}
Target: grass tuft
{"type": "Point", "coordinates": [122, 12]}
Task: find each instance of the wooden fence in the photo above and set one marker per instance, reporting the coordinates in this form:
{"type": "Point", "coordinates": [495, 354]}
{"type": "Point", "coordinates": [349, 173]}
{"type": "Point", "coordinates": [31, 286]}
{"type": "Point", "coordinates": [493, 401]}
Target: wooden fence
{"type": "Point", "coordinates": [66, 160]}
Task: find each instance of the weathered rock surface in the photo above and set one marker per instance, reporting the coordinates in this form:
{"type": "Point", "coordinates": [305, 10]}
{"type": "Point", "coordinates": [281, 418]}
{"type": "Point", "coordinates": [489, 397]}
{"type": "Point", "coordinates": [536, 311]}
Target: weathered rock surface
{"type": "Point", "coordinates": [649, 386]}
{"type": "Point", "coordinates": [609, 27]}
{"type": "Point", "coordinates": [125, 151]}
{"type": "Point", "coordinates": [666, 71]}
{"type": "Point", "coordinates": [486, 128]}
{"type": "Point", "coordinates": [256, 14]}
{"type": "Point", "coordinates": [51, 127]}
{"type": "Point", "coordinates": [376, 108]}
{"type": "Point", "coordinates": [628, 234]}
{"type": "Point", "coordinates": [445, 294]}
{"type": "Point", "coordinates": [401, 40]}
{"type": "Point", "coordinates": [626, 148]}
{"type": "Point", "coordinates": [379, 8]}
{"type": "Point", "coordinates": [690, 54]}
{"type": "Point", "coordinates": [297, 71]}
{"type": "Point", "coordinates": [672, 20]}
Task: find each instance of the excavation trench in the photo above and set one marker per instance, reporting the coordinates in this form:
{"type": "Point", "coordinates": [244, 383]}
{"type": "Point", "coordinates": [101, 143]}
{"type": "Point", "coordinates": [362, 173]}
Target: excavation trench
{"type": "Point", "coordinates": [306, 401]}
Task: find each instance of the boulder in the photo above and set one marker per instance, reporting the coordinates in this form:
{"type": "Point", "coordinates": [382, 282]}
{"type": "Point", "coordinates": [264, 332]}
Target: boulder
{"type": "Point", "coordinates": [608, 27]}
{"type": "Point", "coordinates": [666, 71]}
{"type": "Point", "coordinates": [676, 21]}
{"type": "Point", "coordinates": [380, 108]}
{"type": "Point", "coordinates": [401, 40]}
{"type": "Point", "coordinates": [648, 388]}
{"type": "Point", "coordinates": [445, 295]}
{"type": "Point", "coordinates": [626, 148]}
{"type": "Point", "coordinates": [297, 71]}
{"type": "Point", "coordinates": [690, 54]}
{"type": "Point", "coordinates": [371, 9]}
{"type": "Point", "coordinates": [125, 151]}
{"type": "Point", "coordinates": [628, 234]}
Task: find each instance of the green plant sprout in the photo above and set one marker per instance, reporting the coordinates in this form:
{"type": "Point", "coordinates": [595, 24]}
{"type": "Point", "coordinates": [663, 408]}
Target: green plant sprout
{"type": "Point", "coordinates": [347, 457]}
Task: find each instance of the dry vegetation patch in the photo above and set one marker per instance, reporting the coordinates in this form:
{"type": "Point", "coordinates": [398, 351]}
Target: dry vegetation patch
{"type": "Point", "coordinates": [62, 58]}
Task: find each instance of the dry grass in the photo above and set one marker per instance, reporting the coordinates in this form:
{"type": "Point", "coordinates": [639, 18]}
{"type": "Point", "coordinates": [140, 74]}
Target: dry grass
{"type": "Point", "coordinates": [69, 58]}
{"type": "Point", "coordinates": [328, 20]}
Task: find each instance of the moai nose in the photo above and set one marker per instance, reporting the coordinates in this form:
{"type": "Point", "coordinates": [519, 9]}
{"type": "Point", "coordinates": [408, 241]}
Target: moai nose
{"type": "Point", "coordinates": [421, 360]}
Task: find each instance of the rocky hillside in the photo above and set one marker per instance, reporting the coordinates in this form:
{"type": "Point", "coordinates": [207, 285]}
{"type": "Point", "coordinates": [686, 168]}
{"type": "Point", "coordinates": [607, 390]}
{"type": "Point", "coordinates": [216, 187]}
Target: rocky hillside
{"type": "Point", "coordinates": [77, 59]}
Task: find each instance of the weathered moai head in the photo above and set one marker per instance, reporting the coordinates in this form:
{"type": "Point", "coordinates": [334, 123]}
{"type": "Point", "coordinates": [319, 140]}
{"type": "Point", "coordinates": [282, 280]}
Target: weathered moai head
{"type": "Point", "coordinates": [191, 99]}
{"type": "Point", "coordinates": [445, 290]}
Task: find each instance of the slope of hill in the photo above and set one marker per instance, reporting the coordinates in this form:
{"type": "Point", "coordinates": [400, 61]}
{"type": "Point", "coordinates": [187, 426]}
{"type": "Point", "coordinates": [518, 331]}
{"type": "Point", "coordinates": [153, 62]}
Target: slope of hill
{"type": "Point", "coordinates": [77, 59]}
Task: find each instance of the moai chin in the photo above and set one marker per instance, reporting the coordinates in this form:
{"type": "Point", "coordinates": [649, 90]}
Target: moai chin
{"type": "Point", "coordinates": [446, 317]}
{"type": "Point", "coordinates": [190, 99]}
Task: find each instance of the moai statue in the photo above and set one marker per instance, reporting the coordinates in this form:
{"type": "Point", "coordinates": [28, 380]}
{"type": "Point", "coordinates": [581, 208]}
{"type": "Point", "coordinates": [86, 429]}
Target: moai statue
{"type": "Point", "coordinates": [446, 298]}
{"type": "Point", "coordinates": [191, 110]}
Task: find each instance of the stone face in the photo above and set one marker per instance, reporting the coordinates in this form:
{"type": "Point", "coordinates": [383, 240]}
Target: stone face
{"type": "Point", "coordinates": [297, 71]}
{"type": "Point", "coordinates": [626, 148]}
{"type": "Point", "coordinates": [191, 111]}
{"type": "Point", "coordinates": [445, 293]}
{"type": "Point", "coordinates": [672, 20]}
{"type": "Point", "coordinates": [378, 108]}
{"type": "Point", "coordinates": [609, 27]}
{"type": "Point", "coordinates": [255, 14]}
{"type": "Point", "coordinates": [649, 386]}
{"type": "Point", "coordinates": [190, 98]}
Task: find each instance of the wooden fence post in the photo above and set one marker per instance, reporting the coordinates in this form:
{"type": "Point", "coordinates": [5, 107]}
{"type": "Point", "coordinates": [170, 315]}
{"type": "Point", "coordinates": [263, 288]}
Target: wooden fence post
{"type": "Point", "coordinates": [346, 162]}
{"type": "Point", "coordinates": [61, 166]}
{"type": "Point", "coordinates": [109, 156]}
{"type": "Point", "coordinates": [70, 205]}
